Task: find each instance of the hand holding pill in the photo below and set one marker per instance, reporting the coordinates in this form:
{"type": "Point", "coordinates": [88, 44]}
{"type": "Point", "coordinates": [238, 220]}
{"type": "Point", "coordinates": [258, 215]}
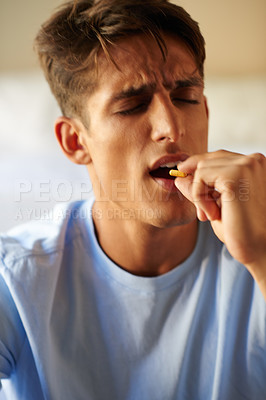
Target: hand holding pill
{"type": "Point", "coordinates": [215, 185]}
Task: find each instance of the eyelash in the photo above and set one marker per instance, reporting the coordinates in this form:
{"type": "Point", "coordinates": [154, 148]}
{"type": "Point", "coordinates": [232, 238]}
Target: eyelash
{"type": "Point", "coordinates": [187, 101]}
{"type": "Point", "coordinates": [143, 106]}
{"type": "Point", "coordinates": [133, 110]}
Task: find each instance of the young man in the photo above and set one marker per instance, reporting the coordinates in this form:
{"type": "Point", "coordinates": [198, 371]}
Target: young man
{"type": "Point", "coordinates": [129, 295]}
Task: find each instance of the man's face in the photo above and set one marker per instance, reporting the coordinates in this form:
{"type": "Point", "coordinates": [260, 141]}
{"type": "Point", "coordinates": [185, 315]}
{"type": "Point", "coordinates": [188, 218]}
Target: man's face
{"type": "Point", "coordinates": [149, 114]}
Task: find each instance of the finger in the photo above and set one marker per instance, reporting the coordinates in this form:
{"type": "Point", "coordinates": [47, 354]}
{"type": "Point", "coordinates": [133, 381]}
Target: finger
{"type": "Point", "coordinates": [207, 200]}
{"type": "Point", "coordinates": [212, 158]}
{"type": "Point", "coordinates": [186, 187]}
{"type": "Point", "coordinates": [201, 215]}
{"type": "Point", "coordinates": [258, 156]}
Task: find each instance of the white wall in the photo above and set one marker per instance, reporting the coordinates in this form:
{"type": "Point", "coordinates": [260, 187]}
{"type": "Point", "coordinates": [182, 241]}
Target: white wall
{"type": "Point", "coordinates": [235, 33]}
{"type": "Point", "coordinates": [234, 30]}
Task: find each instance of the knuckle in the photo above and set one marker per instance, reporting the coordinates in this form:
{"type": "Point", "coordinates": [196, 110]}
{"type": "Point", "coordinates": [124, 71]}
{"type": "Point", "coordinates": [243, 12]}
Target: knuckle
{"type": "Point", "coordinates": [258, 156]}
{"type": "Point", "coordinates": [230, 185]}
{"type": "Point", "coordinates": [255, 159]}
{"type": "Point", "coordinates": [250, 161]}
{"type": "Point", "coordinates": [201, 164]}
{"type": "Point", "coordinates": [221, 152]}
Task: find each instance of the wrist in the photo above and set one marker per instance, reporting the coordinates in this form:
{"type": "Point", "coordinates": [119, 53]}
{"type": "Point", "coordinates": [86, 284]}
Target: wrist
{"type": "Point", "coordinates": [258, 271]}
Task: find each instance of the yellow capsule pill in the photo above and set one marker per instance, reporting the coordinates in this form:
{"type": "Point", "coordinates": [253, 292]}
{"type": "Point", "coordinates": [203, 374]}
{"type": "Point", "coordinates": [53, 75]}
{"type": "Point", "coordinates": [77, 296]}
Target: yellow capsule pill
{"type": "Point", "coordinates": [175, 172]}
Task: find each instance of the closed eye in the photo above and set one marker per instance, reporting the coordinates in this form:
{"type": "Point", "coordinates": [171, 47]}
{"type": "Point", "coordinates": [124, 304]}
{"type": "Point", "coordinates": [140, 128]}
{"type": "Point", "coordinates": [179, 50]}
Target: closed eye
{"type": "Point", "coordinates": [134, 110]}
{"type": "Point", "coordinates": [135, 106]}
{"type": "Point", "coordinates": [186, 101]}
{"type": "Point", "coordinates": [187, 95]}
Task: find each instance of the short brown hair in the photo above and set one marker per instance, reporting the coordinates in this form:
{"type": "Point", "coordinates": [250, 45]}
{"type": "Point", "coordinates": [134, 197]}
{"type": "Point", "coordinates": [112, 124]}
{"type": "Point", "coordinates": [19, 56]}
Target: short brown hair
{"type": "Point", "coordinates": [68, 43]}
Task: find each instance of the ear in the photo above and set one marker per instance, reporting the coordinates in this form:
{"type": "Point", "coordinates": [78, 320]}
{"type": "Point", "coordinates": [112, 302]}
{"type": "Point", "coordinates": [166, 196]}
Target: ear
{"type": "Point", "coordinates": [70, 134]}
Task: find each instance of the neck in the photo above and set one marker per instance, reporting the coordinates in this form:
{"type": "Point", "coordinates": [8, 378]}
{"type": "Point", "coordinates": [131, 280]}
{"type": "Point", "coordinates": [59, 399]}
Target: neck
{"type": "Point", "coordinates": [142, 249]}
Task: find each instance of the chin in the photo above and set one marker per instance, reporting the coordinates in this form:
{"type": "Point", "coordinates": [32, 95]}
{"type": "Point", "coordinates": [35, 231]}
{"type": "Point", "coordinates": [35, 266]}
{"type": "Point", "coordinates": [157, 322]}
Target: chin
{"type": "Point", "coordinates": [166, 218]}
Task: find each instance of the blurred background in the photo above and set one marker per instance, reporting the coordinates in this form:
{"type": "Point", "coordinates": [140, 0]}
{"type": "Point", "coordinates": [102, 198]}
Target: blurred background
{"type": "Point", "coordinates": [35, 174]}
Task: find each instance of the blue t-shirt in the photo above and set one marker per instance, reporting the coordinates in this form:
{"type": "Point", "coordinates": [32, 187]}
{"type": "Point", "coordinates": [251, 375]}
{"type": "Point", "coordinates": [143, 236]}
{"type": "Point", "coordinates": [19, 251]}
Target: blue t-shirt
{"type": "Point", "coordinates": [75, 326]}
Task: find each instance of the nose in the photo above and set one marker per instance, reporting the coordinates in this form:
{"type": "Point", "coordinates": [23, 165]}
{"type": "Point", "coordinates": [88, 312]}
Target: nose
{"type": "Point", "coordinates": [166, 120]}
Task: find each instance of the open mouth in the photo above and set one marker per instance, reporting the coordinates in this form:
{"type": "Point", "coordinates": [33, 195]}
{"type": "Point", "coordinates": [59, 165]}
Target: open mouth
{"type": "Point", "coordinates": [162, 172]}
{"type": "Point", "coordinates": [163, 178]}
{"type": "Point", "coordinates": [159, 172]}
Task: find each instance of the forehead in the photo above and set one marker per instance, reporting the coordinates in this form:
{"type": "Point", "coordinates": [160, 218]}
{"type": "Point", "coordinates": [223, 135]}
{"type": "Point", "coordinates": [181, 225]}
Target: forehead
{"type": "Point", "coordinates": [139, 61]}
{"type": "Point", "coordinates": [141, 55]}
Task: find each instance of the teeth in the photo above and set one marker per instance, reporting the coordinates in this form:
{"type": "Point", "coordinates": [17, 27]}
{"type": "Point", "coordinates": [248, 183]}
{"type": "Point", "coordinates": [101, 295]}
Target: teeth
{"type": "Point", "coordinates": [169, 165]}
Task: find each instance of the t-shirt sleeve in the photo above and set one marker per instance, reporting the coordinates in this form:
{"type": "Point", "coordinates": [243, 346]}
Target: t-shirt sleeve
{"type": "Point", "coordinates": [12, 333]}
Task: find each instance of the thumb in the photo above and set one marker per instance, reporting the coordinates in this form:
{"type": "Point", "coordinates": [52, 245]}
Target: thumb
{"type": "Point", "coordinates": [185, 187]}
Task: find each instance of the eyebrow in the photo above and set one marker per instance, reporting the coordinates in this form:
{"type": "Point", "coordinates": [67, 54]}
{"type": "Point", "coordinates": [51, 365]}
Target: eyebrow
{"type": "Point", "coordinates": [149, 88]}
{"type": "Point", "coordinates": [131, 92]}
{"type": "Point", "coordinates": [191, 81]}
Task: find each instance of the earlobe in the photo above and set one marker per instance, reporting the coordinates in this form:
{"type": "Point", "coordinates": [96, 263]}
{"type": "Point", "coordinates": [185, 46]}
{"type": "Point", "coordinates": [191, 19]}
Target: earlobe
{"type": "Point", "coordinates": [69, 133]}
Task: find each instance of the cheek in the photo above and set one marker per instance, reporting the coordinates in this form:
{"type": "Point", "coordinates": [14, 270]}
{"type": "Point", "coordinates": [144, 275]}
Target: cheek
{"type": "Point", "coordinates": [197, 131]}
{"type": "Point", "coordinates": [119, 145]}
{"type": "Point", "coordinates": [108, 163]}
{"type": "Point", "coordinates": [111, 161]}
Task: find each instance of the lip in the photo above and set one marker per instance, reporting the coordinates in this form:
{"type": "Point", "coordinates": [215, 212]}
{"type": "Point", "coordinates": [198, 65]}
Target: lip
{"type": "Point", "coordinates": [166, 184]}
{"type": "Point", "coordinates": [168, 159]}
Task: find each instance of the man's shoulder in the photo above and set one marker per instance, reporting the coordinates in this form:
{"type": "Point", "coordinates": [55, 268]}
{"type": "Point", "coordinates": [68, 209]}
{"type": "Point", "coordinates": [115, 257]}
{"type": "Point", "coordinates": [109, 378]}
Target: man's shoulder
{"type": "Point", "coordinates": [43, 237]}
